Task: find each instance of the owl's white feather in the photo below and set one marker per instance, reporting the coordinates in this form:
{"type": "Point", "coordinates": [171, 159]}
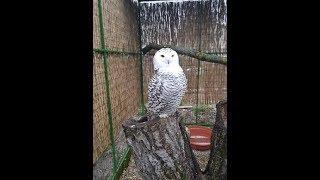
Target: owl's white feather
{"type": "Point", "coordinates": [168, 84]}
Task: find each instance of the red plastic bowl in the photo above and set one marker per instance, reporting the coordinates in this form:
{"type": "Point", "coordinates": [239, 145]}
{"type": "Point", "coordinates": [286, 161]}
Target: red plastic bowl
{"type": "Point", "coordinates": [200, 137]}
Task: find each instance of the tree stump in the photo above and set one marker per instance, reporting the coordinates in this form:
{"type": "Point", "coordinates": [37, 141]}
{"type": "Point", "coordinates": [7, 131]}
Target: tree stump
{"type": "Point", "coordinates": [159, 149]}
{"type": "Point", "coordinates": [217, 165]}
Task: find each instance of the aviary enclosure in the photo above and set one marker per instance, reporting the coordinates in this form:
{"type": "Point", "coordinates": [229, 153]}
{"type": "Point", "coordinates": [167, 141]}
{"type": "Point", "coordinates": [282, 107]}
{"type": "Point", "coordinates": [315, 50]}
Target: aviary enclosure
{"type": "Point", "coordinates": [127, 33]}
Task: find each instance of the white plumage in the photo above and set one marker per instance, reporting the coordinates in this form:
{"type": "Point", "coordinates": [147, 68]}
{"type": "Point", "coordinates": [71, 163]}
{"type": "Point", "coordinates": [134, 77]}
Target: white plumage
{"type": "Point", "coordinates": [168, 84]}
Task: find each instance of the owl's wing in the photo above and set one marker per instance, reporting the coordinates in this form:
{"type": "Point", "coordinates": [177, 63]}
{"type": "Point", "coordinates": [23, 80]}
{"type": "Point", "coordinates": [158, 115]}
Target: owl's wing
{"type": "Point", "coordinates": [155, 95]}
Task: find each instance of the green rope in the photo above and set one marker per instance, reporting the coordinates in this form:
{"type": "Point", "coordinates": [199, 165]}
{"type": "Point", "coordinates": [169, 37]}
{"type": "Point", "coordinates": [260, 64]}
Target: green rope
{"type": "Point", "coordinates": [105, 63]}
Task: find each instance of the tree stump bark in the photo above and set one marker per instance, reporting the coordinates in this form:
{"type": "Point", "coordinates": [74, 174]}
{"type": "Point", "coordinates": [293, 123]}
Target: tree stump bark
{"type": "Point", "coordinates": [159, 148]}
{"type": "Point", "coordinates": [217, 165]}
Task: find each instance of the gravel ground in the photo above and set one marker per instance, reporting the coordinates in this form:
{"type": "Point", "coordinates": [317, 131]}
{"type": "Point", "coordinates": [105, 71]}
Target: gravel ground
{"type": "Point", "coordinates": [131, 172]}
{"type": "Point", "coordinates": [202, 158]}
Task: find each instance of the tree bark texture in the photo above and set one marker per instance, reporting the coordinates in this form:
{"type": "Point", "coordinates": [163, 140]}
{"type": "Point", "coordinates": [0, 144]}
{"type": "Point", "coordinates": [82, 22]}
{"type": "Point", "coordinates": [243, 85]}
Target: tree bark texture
{"type": "Point", "coordinates": [217, 165]}
{"type": "Point", "coordinates": [159, 148]}
{"type": "Point", "coordinates": [188, 52]}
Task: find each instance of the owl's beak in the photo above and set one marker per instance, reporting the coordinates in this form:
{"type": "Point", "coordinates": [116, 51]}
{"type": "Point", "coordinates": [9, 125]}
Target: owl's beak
{"type": "Point", "coordinates": [167, 61]}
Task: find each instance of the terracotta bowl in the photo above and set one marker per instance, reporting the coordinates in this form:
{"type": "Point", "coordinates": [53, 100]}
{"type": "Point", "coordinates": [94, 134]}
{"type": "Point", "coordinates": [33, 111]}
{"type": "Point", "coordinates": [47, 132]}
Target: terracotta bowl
{"type": "Point", "coordinates": [200, 137]}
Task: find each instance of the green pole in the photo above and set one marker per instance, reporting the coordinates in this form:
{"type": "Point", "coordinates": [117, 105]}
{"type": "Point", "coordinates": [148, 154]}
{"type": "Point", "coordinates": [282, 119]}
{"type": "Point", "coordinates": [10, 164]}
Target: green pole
{"type": "Point", "coordinates": [199, 62]}
{"type": "Point", "coordinates": [105, 64]}
{"type": "Point", "coordinates": [141, 59]}
{"type": "Point", "coordinates": [198, 79]}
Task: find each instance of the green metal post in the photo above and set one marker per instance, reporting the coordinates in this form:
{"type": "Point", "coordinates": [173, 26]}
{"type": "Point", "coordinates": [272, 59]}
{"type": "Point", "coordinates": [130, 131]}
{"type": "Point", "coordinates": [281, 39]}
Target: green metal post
{"type": "Point", "coordinates": [105, 63]}
{"type": "Point", "coordinates": [199, 62]}
{"type": "Point", "coordinates": [141, 59]}
{"type": "Point", "coordinates": [198, 79]}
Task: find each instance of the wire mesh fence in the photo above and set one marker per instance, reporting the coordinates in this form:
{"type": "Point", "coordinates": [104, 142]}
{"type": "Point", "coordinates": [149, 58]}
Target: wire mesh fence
{"type": "Point", "coordinates": [121, 47]}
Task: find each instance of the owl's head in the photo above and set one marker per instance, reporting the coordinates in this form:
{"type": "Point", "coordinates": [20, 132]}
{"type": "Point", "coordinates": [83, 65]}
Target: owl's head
{"type": "Point", "coordinates": [165, 58]}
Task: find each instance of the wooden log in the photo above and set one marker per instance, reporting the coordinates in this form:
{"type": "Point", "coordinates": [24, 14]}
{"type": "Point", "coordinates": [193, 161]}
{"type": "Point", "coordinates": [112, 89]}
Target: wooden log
{"type": "Point", "coordinates": [216, 168]}
{"type": "Point", "coordinates": [188, 52]}
{"type": "Point", "coordinates": [159, 148]}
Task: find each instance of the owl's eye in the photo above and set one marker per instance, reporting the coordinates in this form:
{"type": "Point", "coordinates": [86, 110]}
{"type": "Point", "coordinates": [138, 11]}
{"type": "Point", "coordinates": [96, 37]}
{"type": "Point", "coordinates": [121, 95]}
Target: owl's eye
{"type": "Point", "coordinates": [172, 55]}
{"type": "Point", "coordinates": [162, 55]}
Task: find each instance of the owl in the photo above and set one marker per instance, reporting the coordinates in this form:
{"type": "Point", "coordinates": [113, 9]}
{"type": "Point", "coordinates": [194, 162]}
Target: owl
{"type": "Point", "coordinates": [167, 86]}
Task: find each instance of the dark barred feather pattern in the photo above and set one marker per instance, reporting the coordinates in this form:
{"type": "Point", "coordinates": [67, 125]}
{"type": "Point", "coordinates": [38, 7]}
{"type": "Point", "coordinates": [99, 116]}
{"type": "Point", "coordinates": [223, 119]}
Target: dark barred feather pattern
{"type": "Point", "coordinates": [165, 93]}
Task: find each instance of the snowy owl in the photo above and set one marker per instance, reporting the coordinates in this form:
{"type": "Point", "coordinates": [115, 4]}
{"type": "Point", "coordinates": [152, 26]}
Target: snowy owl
{"type": "Point", "coordinates": [167, 86]}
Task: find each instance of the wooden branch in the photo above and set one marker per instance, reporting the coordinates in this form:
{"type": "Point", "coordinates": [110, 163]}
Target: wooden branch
{"type": "Point", "coordinates": [188, 52]}
{"type": "Point", "coordinates": [185, 107]}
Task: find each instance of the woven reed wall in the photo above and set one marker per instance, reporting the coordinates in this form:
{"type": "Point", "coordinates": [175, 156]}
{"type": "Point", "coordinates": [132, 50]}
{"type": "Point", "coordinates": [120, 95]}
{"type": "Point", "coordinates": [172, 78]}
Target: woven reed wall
{"type": "Point", "coordinates": [121, 33]}
{"type": "Point", "coordinates": [183, 29]}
